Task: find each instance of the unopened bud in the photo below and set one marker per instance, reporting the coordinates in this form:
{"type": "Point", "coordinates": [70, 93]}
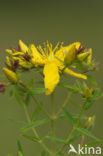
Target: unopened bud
{"type": "Point", "coordinates": [23, 46]}
{"type": "Point", "coordinates": [2, 87]}
{"type": "Point", "coordinates": [11, 76]}
{"type": "Point", "coordinates": [88, 92]}
{"type": "Point", "coordinates": [86, 56]}
{"type": "Point", "coordinates": [9, 51]}
{"type": "Point", "coordinates": [83, 56]}
{"type": "Point", "coordinates": [70, 54]}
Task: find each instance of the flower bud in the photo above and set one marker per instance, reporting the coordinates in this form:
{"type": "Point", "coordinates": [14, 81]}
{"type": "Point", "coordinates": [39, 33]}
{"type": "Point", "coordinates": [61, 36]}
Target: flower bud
{"type": "Point", "coordinates": [88, 92]}
{"type": "Point", "coordinates": [9, 51]}
{"type": "Point", "coordinates": [85, 56]}
{"type": "Point", "coordinates": [11, 63]}
{"type": "Point", "coordinates": [23, 46]}
{"type": "Point", "coordinates": [2, 87]}
{"type": "Point", "coordinates": [89, 122]}
{"type": "Point", "coordinates": [70, 54]}
{"type": "Point", "coordinates": [11, 76]}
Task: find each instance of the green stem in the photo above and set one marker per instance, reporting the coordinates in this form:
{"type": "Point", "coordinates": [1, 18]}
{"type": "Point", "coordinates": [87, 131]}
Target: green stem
{"type": "Point", "coordinates": [37, 102]}
{"type": "Point", "coordinates": [34, 99]}
{"type": "Point", "coordinates": [73, 130]}
{"type": "Point", "coordinates": [65, 103]}
{"type": "Point", "coordinates": [52, 123]}
{"type": "Point", "coordinates": [35, 132]}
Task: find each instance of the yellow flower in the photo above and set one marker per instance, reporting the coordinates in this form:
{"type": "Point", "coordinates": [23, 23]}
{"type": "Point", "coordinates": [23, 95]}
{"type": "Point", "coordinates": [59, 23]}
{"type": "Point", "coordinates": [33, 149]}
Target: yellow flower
{"type": "Point", "coordinates": [53, 61]}
{"type": "Point", "coordinates": [12, 76]}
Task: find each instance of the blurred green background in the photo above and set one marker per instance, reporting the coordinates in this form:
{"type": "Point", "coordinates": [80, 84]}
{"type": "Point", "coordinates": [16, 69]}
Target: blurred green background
{"type": "Point", "coordinates": [36, 22]}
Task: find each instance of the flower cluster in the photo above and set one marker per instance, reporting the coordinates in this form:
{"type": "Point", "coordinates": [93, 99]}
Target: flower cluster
{"type": "Point", "coordinates": [54, 61]}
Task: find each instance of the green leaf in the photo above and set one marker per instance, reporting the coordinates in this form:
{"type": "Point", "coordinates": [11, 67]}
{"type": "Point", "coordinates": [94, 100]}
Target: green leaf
{"type": "Point", "coordinates": [32, 138]}
{"type": "Point", "coordinates": [73, 103]}
{"type": "Point", "coordinates": [94, 143]}
{"type": "Point", "coordinates": [92, 100]}
{"type": "Point", "coordinates": [60, 154]}
{"type": "Point", "coordinates": [20, 89]}
{"type": "Point", "coordinates": [36, 112]}
{"type": "Point", "coordinates": [89, 104]}
{"type": "Point", "coordinates": [27, 99]}
{"type": "Point", "coordinates": [38, 90]}
{"type": "Point", "coordinates": [59, 60]}
{"type": "Point", "coordinates": [43, 153]}
{"type": "Point", "coordinates": [69, 116]}
{"type": "Point", "coordinates": [80, 85]}
{"type": "Point", "coordinates": [91, 80]}
{"type": "Point", "coordinates": [34, 124]}
{"type": "Point", "coordinates": [75, 135]}
{"type": "Point", "coordinates": [9, 155]}
{"type": "Point", "coordinates": [20, 147]}
{"type": "Point", "coordinates": [74, 116]}
{"type": "Point", "coordinates": [16, 121]}
{"type": "Point", "coordinates": [72, 88]}
{"type": "Point", "coordinates": [19, 153]}
{"type": "Point", "coordinates": [87, 133]}
{"type": "Point", "coordinates": [19, 99]}
{"type": "Point", "coordinates": [12, 91]}
{"type": "Point", "coordinates": [55, 139]}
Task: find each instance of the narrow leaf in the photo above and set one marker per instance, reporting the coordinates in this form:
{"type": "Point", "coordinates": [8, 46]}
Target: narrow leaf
{"type": "Point", "coordinates": [94, 143]}
{"type": "Point", "coordinates": [20, 147]}
{"type": "Point", "coordinates": [34, 124]}
{"type": "Point", "coordinates": [19, 99]}
{"type": "Point", "coordinates": [36, 112]}
{"type": "Point", "coordinates": [19, 153]}
{"type": "Point", "coordinates": [91, 79]}
{"type": "Point", "coordinates": [69, 116]}
{"type": "Point", "coordinates": [27, 98]}
{"type": "Point", "coordinates": [80, 85]}
{"type": "Point", "coordinates": [43, 153]}
{"type": "Point", "coordinates": [32, 138]}
{"type": "Point", "coordinates": [55, 139]}
{"type": "Point", "coordinates": [73, 88]}
{"type": "Point", "coordinates": [38, 90]}
{"type": "Point", "coordinates": [87, 133]}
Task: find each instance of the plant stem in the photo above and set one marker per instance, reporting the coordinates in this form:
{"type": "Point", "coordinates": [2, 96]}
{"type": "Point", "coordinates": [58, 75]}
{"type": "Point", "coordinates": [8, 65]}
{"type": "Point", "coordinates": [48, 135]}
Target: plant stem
{"type": "Point", "coordinates": [35, 132]}
{"type": "Point", "coordinates": [34, 99]}
{"type": "Point", "coordinates": [52, 122]}
{"type": "Point", "coordinates": [65, 103]}
{"type": "Point", "coordinates": [37, 102]}
{"type": "Point", "coordinates": [73, 130]}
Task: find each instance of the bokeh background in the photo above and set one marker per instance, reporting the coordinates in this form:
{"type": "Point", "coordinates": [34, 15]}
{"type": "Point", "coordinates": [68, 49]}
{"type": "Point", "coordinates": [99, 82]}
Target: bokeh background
{"type": "Point", "coordinates": [35, 22]}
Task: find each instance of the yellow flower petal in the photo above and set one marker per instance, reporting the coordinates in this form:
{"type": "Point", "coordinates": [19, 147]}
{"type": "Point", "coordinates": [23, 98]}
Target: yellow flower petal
{"type": "Point", "coordinates": [37, 58]}
{"type": "Point", "coordinates": [51, 76]}
{"type": "Point", "coordinates": [59, 58]}
{"type": "Point", "coordinates": [23, 46]}
{"type": "Point", "coordinates": [72, 73]}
